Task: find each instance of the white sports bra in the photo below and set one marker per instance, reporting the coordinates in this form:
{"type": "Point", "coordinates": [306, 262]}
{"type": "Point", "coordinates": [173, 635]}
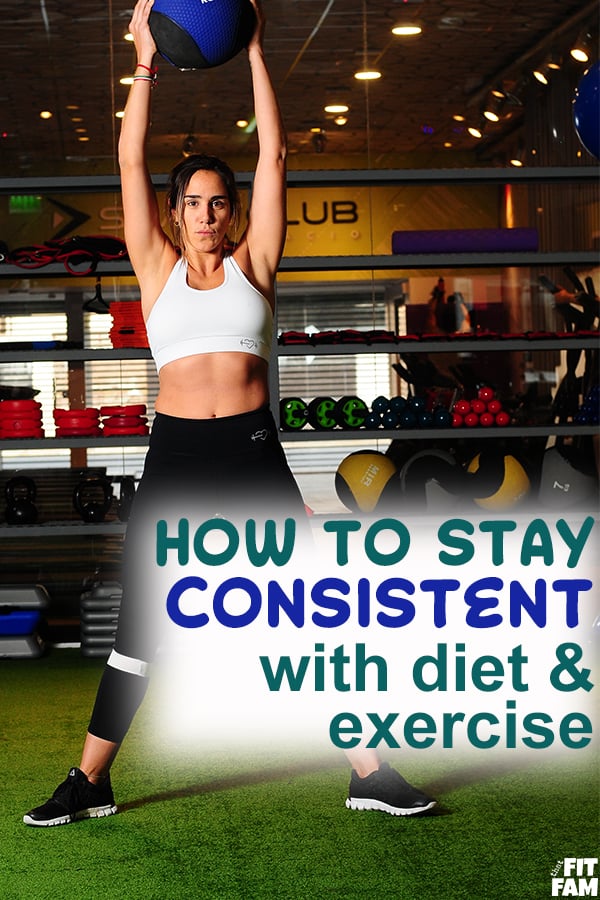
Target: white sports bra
{"type": "Point", "coordinates": [232, 317]}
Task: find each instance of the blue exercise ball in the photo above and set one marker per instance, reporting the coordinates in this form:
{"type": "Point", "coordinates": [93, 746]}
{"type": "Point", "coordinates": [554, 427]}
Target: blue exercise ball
{"type": "Point", "coordinates": [192, 34]}
{"type": "Point", "coordinates": [586, 110]}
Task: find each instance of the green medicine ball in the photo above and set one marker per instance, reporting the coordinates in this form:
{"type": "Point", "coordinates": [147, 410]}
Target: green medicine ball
{"type": "Point", "coordinates": [293, 413]}
{"type": "Point", "coordinates": [321, 413]}
{"type": "Point", "coordinates": [350, 412]}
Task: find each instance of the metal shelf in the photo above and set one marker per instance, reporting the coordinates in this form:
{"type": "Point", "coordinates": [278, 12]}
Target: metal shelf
{"type": "Point", "coordinates": [452, 345]}
{"type": "Point", "coordinates": [431, 434]}
{"type": "Point", "coordinates": [457, 345]}
{"type": "Point", "coordinates": [320, 177]}
{"type": "Point", "coordinates": [360, 262]}
{"type": "Point", "coordinates": [62, 529]}
{"type": "Point", "coordinates": [54, 443]}
{"type": "Point", "coordinates": [72, 355]}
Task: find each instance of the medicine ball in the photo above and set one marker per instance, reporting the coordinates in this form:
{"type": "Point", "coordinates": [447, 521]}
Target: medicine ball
{"type": "Point", "coordinates": [567, 480]}
{"type": "Point", "coordinates": [321, 413]}
{"type": "Point", "coordinates": [350, 412]}
{"type": "Point", "coordinates": [505, 488]}
{"type": "Point", "coordinates": [586, 109]}
{"type": "Point", "coordinates": [432, 479]}
{"type": "Point", "coordinates": [364, 478]}
{"type": "Point", "coordinates": [193, 34]}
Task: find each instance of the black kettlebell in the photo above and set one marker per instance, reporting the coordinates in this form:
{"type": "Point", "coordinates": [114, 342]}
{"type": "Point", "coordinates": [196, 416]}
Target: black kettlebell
{"type": "Point", "coordinates": [20, 493]}
{"type": "Point", "coordinates": [92, 498]}
{"type": "Point", "coordinates": [126, 495]}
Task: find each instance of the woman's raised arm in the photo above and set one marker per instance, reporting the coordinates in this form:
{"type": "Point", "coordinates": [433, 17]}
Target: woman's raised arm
{"type": "Point", "coordinates": [144, 234]}
{"type": "Point", "coordinates": [263, 241]}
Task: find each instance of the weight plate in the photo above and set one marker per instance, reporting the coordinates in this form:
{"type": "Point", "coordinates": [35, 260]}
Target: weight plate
{"type": "Point", "coordinates": [136, 410]}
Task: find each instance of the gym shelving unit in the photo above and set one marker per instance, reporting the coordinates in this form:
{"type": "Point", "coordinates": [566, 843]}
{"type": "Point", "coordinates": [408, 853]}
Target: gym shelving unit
{"type": "Point", "coordinates": [342, 264]}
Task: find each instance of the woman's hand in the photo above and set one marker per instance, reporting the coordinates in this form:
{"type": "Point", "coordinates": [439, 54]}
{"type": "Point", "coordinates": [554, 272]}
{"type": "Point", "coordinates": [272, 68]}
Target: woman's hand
{"type": "Point", "coordinates": [140, 29]}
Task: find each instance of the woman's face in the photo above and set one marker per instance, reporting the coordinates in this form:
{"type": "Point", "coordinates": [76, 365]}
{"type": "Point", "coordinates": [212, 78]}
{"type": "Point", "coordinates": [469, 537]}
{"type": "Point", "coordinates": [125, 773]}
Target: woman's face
{"type": "Point", "coordinates": [207, 211]}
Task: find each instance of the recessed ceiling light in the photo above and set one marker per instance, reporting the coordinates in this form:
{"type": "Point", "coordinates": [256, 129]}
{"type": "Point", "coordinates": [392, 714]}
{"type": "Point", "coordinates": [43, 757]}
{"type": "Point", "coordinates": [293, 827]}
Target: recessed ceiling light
{"type": "Point", "coordinates": [119, 114]}
{"type": "Point", "coordinates": [83, 138]}
{"type": "Point", "coordinates": [242, 123]}
{"type": "Point", "coordinates": [367, 75]}
{"type": "Point", "coordinates": [475, 131]}
{"type": "Point", "coordinates": [336, 108]}
{"type": "Point", "coordinates": [407, 29]}
{"type": "Point", "coordinates": [126, 79]}
{"type": "Point", "coordinates": [45, 114]}
{"type": "Point", "coordinates": [340, 120]}
{"type": "Point", "coordinates": [127, 36]}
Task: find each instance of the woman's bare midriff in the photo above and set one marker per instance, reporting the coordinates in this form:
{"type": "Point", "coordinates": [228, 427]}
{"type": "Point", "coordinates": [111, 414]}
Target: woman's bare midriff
{"type": "Point", "coordinates": [212, 385]}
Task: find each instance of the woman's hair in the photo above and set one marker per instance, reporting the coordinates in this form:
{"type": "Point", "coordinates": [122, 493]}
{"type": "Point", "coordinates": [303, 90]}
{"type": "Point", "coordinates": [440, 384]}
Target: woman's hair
{"type": "Point", "coordinates": [179, 180]}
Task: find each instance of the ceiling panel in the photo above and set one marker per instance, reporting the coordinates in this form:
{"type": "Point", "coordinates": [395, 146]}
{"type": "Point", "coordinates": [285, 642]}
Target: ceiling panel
{"type": "Point", "coordinates": [68, 57]}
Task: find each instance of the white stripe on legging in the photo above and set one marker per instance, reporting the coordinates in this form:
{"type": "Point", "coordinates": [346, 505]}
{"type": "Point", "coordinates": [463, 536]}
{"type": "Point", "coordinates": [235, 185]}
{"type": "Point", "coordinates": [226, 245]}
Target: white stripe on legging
{"type": "Point", "coordinates": [128, 664]}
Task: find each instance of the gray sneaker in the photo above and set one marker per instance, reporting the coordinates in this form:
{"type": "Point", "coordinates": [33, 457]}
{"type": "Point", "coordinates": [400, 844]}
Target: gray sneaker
{"type": "Point", "coordinates": [388, 792]}
{"type": "Point", "coordinates": [76, 798]}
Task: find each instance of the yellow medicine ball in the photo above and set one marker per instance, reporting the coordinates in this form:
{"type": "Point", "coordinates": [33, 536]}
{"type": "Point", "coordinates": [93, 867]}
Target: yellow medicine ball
{"type": "Point", "coordinates": [362, 478]}
{"type": "Point", "coordinates": [514, 488]}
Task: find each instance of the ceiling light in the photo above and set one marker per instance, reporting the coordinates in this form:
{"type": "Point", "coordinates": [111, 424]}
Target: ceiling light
{"type": "Point", "coordinates": [554, 60]}
{"type": "Point", "coordinates": [242, 123]}
{"type": "Point", "coordinates": [83, 138]}
{"type": "Point", "coordinates": [45, 114]}
{"type": "Point", "coordinates": [476, 131]}
{"type": "Point", "coordinates": [126, 79]}
{"type": "Point", "coordinates": [458, 118]}
{"type": "Point", "coordinates": [189, 145]}
{"type": "Point", "coordinates": [517, 158]}
{"type": "Point", "coordinates": [119, 114]}
{"type": "Point", "coordinates": [340, 120]}
{"type": "Point", "coordinates": [367, 75]}
{"type": "Point", "coordinates": [493, 107]}
{"type": "Point", "coordinates": [580, 51]}
{"type": "Point", "coordinates": [541, 74]}
{"type": "Point", "coordinates": [336, 108]}
{"type": "Point", "coordinates": [128, 36]}
{"type": "Point", "coordinates": [407, 29]}
{"type": "Point", "coordinates": [318, 140]}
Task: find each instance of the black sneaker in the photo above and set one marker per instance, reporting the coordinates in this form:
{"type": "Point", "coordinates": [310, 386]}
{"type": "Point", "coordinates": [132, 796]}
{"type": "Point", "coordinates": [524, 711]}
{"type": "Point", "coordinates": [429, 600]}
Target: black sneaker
{"type": "Point", "coordinates": [76, 798]}
{"type": "Point", "coordinates": [387, 791]}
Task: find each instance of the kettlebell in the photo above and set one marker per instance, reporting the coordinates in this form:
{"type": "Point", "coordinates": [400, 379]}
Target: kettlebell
{"type": "Point", "coordinates": [92, 498]}
{"type": "Point", "coordinates": [20, 493]}
{"type": "Point", "coordinates": [127, 493]}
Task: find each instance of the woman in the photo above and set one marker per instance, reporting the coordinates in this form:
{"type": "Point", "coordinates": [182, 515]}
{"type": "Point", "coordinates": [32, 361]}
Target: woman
{"type": "Point", "coordinates": [208, 306]}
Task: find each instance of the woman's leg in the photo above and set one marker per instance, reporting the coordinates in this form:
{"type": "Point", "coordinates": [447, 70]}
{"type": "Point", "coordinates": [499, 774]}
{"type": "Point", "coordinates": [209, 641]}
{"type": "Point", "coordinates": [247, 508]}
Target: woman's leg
{"type": "Point", "coordinates": [97, 757]}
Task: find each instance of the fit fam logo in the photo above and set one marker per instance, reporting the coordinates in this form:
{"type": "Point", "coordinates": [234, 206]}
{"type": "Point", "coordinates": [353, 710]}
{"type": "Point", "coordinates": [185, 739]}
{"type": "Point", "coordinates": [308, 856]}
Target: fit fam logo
{"type": "Point", "coordinates": [575, 877]}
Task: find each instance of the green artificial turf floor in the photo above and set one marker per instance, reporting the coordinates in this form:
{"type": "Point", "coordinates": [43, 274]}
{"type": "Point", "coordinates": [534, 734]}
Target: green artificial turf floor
{"type": "Point", "coordinates": [242, 828]}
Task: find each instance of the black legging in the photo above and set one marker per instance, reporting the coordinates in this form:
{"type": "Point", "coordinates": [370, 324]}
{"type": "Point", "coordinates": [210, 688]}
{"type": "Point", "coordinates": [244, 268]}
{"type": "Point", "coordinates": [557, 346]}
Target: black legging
{"type": "Point", "coordinates": [227, 466]}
